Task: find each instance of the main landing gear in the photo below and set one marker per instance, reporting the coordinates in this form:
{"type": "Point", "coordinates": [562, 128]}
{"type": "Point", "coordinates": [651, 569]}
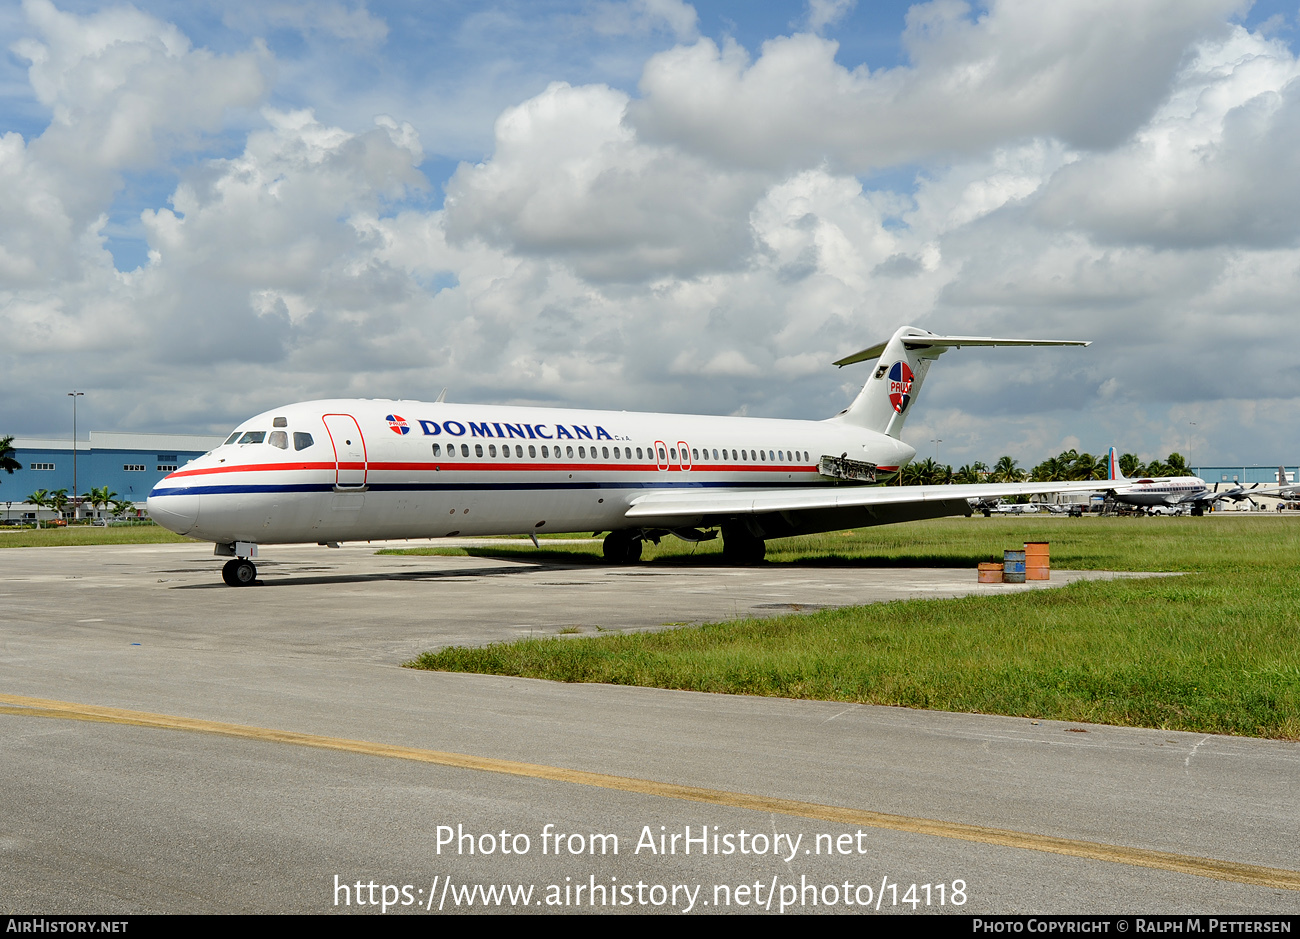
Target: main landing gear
{"type": "Point", "coordinates": [741, 546]}
{"type": "Point", "coordinates": [623, 547]}
{"type": "Point", "coordinates": [239, 572]}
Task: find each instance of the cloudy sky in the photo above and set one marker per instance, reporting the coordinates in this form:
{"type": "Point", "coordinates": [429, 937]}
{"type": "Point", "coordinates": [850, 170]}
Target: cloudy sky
{"type": "Point", "coordinates": [212, 208]}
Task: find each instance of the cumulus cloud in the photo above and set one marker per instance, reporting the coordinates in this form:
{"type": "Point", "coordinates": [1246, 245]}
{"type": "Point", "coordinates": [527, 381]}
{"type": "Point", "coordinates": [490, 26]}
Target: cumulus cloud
{"type": "Point", "coordinates": [275, 241]}
{"type": "Point", "coordinates": [125, 93]}
{"type": "Point", "coordinates": [125, 89]}
{"type": "Point", "coordinates": [823, 13]}
{"type": "Point", "coordinates": [236, 263]}
{"type": "Point", "coordinates": [569, 179]}
{"type": "Point", "coordinates": [1086, 73]}
{"type": "Point", "coordinates": [1219, 163]}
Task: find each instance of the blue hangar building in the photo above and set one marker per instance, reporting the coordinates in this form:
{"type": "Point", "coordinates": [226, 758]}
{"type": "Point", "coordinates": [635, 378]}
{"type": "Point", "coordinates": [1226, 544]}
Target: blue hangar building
{"type": "Point", "coordinates": [128, 464]}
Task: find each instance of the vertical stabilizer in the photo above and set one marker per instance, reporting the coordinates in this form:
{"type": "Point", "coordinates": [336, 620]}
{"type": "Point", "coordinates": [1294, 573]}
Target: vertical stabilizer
{"type": "Point", "coordinates": [901, 366]}
{"type": "Point", "coordinates": [883, 403]}
{"type": "Point", "coordinates": [1112, 466]}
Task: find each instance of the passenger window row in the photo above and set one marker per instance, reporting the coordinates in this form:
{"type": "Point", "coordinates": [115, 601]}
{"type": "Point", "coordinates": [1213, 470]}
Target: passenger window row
{"type": "Point", "coordinates": [620, 453]}
{"type": "Point", "coordinates": [301, 441]}
{"type": "Point", "coordinates": [547, 453]}
{"type": "Point", "coordinates": [755, 456]}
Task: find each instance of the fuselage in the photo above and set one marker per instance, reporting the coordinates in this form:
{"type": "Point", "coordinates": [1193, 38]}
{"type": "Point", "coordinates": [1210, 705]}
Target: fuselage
{"type": "Point", "coordinates": [346, 470]}
{"type": "Point", "coordinates": [1167, 490]}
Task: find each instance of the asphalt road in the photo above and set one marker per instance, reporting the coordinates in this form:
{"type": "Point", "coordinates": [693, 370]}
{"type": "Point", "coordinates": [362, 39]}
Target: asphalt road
{"type": "Point", "coordinates": [174, 745]}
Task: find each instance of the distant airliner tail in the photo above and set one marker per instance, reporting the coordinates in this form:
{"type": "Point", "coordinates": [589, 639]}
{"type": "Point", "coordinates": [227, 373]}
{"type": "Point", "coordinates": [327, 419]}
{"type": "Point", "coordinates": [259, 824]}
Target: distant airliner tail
{"type": "Point", "coordinates": [1112, 463]}
{"type": "Point", "coordinates": [901, 367]}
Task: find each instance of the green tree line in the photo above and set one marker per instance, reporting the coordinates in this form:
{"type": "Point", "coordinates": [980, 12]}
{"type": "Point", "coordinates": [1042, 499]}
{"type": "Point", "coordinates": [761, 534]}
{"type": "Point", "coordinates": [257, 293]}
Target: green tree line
{"type": "Point", "coordinates": [1067, 466]}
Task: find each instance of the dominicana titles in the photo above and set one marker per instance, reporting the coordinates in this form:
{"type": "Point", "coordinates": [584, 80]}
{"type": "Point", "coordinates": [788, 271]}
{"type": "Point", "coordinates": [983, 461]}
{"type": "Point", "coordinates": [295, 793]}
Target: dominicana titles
{"type": "Point", "coordinates": [505, 430]}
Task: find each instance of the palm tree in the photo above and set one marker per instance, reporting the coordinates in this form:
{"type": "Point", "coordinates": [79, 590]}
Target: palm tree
{"type": "Point", "coordinates": [40, 498]}
{"type": "Point", "coordinates": [928, 469]}
{"type": "Point", "coordinates": [122, 506]}
{"type": "Point", "coordinates": [1006, 470]}
{"type": "Point", "coordinates": [7, 461]}
{"type": "Point", "coordinates": [58, 501]}
{"type": "Point", "coordinates": [1050, 470]}
{"type": "Point", "coordinates": [1087, 466]}
{"type": "Point", "coordinates": [913, 474]}
{"type": "Point", "coordinates": [100, 497]}
{"type": "Point", "coordinates": [1157, 469]}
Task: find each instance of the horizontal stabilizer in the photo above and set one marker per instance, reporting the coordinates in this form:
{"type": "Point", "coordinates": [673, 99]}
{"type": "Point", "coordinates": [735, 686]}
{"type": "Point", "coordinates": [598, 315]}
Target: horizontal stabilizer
{"type": "Point", "coordinates": [903, 362]}
{"type": "Point", "coordinates": [951, 342]}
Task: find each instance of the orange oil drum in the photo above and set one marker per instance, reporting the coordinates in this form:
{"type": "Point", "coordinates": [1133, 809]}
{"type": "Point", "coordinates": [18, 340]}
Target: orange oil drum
{"type": "Point", "coordinates": [1038, 562]}
{"type": "Point", "coordinates": [990, 573]}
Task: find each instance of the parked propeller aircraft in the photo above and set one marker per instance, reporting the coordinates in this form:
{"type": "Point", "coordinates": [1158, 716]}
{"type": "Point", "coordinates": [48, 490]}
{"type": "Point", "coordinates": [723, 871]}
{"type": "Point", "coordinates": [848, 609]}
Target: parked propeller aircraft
{"type": "Point", "coordinates": [1286, 490]}
{"type": "Point", "coordinates": [350, 470]}
{"type": "Point", "coordinates": [1189, 491]}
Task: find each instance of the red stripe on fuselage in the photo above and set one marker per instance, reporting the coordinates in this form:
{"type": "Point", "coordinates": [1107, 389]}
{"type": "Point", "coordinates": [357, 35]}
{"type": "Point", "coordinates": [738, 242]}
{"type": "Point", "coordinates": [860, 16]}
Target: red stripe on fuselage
{"type": "Point", "coordinates": [260, 467]}
{"type": "Point", "coordinates": [492, 467]}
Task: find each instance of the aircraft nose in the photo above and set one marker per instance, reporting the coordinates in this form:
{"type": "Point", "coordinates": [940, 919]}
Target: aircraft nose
{"type": "Point", "coordinates": [178, 513]}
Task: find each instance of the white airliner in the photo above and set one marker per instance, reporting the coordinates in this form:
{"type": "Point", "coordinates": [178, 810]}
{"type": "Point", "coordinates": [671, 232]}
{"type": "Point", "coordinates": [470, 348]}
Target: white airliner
{"type": "Point", "coordinates": [352, 470]}
{"type": "Point", "coordinates": [1189, 491]}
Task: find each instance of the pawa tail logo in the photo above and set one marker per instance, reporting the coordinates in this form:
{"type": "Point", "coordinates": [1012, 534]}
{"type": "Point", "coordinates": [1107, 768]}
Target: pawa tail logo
{"type": "Point", "coordinates": [398, 424]}
{"type": "Point", "coordinates": [900, 386]}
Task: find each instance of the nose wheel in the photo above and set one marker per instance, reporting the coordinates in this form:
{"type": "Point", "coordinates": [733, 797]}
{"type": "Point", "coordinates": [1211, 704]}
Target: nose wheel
{"type": "Point", "coordinates": [239, 572]}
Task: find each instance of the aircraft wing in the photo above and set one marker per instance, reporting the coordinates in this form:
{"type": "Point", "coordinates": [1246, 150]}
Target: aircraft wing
{"type": "Point", "coordinates": [860, 505]}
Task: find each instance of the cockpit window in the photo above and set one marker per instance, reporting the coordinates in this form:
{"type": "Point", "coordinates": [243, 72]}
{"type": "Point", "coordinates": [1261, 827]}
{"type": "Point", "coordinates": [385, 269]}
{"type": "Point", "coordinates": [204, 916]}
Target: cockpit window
{"type": "Point", "coordinates": [301, 441]}
{"type": "Point", "coordinates": [279, 439]}
{"type": "Point", "coordinates": [280, 422]}
{"type": "Point", "coordinates": [232, 438]}
{"type": "Point", "coordinates": [253, 436]}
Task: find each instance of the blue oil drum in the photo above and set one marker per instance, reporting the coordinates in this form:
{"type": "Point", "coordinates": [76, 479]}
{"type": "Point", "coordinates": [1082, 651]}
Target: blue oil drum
{"type": "Point", "coordinates": [1013, 567]}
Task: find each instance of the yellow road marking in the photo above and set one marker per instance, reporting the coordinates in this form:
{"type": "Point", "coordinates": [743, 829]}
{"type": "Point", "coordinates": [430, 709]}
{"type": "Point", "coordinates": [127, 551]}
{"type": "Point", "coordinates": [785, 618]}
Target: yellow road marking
{"type": "Point", "coordinates": [1118, 854]}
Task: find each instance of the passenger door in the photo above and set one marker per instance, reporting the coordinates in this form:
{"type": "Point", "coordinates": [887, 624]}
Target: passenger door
{"type": "Point", "coordinates": [350, 466]}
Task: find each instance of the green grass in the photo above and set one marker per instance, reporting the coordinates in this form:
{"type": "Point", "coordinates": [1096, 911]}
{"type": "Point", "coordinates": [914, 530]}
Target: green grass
{"type": "Point", "coordinates": [88, 535]}
{"type": "Point", "coordinates": [1216, 650]}
{"type": "Point", "coordinates": [1136, 544]}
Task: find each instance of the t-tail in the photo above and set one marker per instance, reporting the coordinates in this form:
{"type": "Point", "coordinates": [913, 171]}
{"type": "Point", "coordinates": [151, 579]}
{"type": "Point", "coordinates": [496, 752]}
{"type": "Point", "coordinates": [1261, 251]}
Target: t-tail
{"type": "Point", "coordinates": [901, 367]}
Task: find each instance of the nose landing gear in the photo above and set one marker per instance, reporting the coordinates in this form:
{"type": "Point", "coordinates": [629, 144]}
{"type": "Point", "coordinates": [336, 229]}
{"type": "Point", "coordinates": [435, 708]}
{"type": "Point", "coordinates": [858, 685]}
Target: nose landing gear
{"type": "Point", "coordinates": [239, 572]}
